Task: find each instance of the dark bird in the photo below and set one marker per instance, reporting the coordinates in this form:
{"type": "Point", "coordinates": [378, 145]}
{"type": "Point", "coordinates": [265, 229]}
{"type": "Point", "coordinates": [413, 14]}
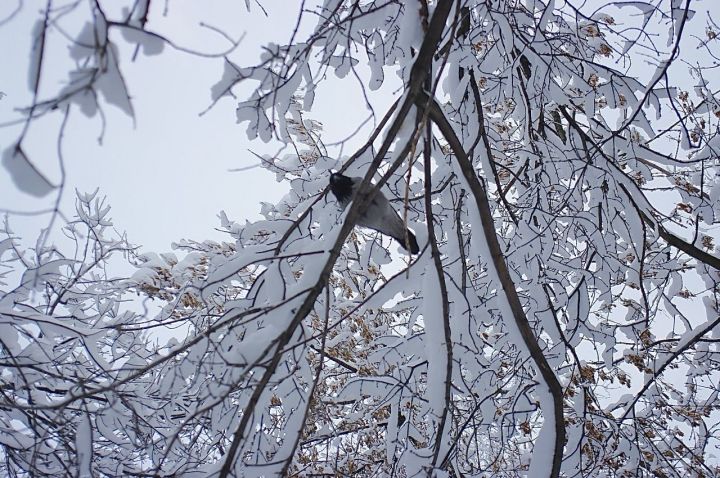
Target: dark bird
{"type": "Point", "coordinates": [378, 215]}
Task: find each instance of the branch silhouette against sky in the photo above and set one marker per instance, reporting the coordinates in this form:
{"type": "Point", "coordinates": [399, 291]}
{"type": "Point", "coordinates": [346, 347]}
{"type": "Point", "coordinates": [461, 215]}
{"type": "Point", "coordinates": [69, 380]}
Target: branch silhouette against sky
{"type": "Point", "coordinates": [556, 161]}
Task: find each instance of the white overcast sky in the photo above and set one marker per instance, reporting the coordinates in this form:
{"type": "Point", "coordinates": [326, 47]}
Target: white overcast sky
{"type": "Point", "coordinates": [166, 175]}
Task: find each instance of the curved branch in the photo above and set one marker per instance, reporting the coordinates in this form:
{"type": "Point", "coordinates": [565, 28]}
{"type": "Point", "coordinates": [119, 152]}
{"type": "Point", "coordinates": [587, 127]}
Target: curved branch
{"type": "Point", "coordinates": [437, 261]}
{"type": "Point", "coordinates": [658, 77]}
{"type": "Point", "coordinates": [681, 348]}
{"type": "Point", "coordinates": [669, 237]}
{"type": "Point", "coordinates": [418, 74]}
{"type": "Point", "coordinates": [498, 260]}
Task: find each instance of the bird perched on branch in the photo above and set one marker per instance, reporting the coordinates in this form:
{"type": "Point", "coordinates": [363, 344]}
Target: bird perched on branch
{"type": "Point", "coordinates": [378, 215]}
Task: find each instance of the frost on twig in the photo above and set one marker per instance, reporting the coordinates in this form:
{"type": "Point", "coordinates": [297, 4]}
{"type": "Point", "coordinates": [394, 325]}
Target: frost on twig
{"type": "Point", "coordinates": [560, 320]}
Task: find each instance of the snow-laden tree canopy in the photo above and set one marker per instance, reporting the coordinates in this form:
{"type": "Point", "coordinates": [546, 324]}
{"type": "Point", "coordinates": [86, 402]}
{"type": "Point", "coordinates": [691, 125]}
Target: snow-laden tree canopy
{"type": "Point", "coordinates": [558, 162]}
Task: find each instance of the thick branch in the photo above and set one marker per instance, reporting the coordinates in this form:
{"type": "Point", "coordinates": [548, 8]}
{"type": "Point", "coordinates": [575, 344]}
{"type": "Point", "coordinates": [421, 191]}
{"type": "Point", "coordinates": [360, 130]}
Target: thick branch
{"type": "Point", "coordinates": [418, 75]}
{"type": "Point", "coordinates": [437, 260]}
{"type": "Point", "coordinates": [498, 260]}
{"type": "Point", "coordinates": [679, 350]}
{"type": "Point", "coordinates": [669, 237]}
